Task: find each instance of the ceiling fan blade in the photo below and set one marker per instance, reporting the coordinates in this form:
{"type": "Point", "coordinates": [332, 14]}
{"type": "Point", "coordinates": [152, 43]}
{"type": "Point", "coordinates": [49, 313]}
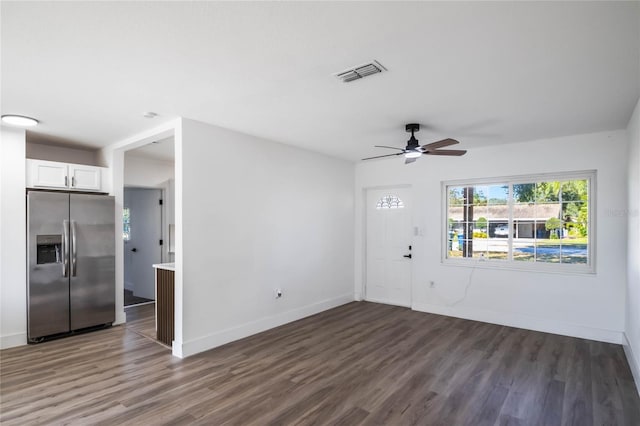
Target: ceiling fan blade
{"type": "Point", "coordinates": [390, 147]}
{"type": "Point", "coordinates": [380, 156]}
{"type": "Point", "coordinates": [439, 144]}
{"type": "Point", "coordinates": [456, 152]}
{"type": "Point", "coordinates": [409, 160]}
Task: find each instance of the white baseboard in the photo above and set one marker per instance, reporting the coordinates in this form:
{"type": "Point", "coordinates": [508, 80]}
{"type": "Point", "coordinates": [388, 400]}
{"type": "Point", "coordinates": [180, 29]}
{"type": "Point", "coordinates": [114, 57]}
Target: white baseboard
{"type": "Point", "coordinates": [357, 296]}
{"type": "Point", "coordinates": [389, 302]}
{"type": "Point", "coordinates": [525, 321]}
{"type": "Point", "coordinates": [220, 338]}
{"type": "Point", "coordinates": [633, 361]}
{"type": "Point", "coordinates": [13, 340]}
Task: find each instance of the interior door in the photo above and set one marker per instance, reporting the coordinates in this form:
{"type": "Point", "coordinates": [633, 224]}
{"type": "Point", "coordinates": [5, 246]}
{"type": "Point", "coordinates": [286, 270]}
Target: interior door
{"type": "Point", "coordinates": [92, 264]}
{"type": "Point", "coordinates": [388, 246]}
{"type": "Point", "coordinates": [143, 248]}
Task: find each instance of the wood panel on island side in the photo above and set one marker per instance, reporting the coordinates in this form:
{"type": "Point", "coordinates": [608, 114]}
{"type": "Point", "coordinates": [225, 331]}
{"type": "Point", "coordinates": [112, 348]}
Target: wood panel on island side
{"type": "Point", "coordinates": [361, 363]}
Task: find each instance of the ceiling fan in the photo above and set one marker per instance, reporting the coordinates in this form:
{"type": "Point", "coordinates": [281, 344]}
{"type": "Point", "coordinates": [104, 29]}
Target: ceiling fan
{"type": "Point", "coordinates": [413, 150]}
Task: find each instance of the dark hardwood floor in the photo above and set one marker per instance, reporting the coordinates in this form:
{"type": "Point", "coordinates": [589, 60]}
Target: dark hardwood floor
{"type": "Point", "coordinates": [361, 363]}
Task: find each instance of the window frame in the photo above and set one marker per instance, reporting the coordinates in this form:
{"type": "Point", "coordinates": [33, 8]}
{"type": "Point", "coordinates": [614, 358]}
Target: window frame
{"type": "Point", "coordinates": [509, 263]}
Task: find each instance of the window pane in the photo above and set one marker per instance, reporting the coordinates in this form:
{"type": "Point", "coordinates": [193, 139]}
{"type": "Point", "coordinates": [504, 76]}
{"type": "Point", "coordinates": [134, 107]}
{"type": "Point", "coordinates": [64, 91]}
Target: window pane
{"type": "Point", "coordinates": [389, 202]}
{"type": "Point", "coordinates": [497, 249]}
{"type": "Point", "coordinates": [525, 229]}
{"type": "Point", "coordinates": [575, 251]}
{"type": "Point", "coordinates": [524, 192]}
{"type": "Point", "coordinates": [476, 212]}
{"type": "Point", "coordinates": [126, 224]}
{"type": "Point", "coordinates": [480, 195]}
{"type": "Point", "coordinates": [456, 196]}
{"type": "Point", "coordinates": [547, 191]}
{"type": "Point", "coordinates": [524, 251]}
{"type": "Point", "coordinates": [498, 194]}
{"type": "Point", "coordinates": [499, 229]}
{"type": "Point", "coordinates": [547, 251]}
{"type": "Point", "coordinates": [574, 190]}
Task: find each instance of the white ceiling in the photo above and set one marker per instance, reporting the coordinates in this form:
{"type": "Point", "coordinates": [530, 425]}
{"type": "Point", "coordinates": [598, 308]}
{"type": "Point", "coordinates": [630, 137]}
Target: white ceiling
{"type": "Point", "coordinates": [161, 150]}
{"type": "Point", "coordinates": [482, 72]}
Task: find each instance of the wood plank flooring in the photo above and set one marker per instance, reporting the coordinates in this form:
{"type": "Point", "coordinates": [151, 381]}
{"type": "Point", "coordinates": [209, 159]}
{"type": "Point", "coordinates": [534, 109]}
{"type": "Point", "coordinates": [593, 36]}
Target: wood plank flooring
{"type": "Point", "coordinates": [141, 319]}
{"type": "Point", "coordinates": [361, 363]}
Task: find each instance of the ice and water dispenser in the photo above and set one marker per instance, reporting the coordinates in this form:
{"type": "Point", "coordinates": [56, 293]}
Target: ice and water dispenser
{"type": "Point", "coordinates": [49, 249]}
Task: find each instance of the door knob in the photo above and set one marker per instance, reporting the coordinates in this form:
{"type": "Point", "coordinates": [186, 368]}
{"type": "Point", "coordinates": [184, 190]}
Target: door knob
{"type": "Point", "coordinates": [134, 249]}
{"type": "Point", "coordinates": [408, 256]}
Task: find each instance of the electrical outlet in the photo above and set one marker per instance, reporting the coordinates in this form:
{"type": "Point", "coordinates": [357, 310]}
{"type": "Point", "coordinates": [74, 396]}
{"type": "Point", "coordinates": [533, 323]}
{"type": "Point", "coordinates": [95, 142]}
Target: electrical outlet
{"type": "Point", "coordinates": [278, 293]}
{"type": "Point", "coordinates": [432, 284]}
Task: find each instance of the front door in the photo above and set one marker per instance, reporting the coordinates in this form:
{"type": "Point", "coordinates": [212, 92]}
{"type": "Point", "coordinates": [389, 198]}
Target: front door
{"type": "Point", "coordinates": [388, 247]}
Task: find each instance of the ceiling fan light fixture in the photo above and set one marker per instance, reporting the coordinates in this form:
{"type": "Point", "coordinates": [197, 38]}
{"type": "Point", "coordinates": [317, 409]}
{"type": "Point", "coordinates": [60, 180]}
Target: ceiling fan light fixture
{"type": "Point", "coordinates": [19, 120]}
{"type": "Point", "coordinates": [413, 150]}
{"type": "Point", "coordinates": [412, 154]}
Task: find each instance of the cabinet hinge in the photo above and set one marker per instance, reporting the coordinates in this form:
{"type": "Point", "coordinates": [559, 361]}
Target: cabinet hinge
{"type": "Point", "coordinates": [160, 202]}
{"type": "Point", "coordinates": [161, 242]}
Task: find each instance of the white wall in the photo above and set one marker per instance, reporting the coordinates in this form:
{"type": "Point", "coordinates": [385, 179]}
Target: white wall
{"type": "Point", "coordinates": [40, 151]}
{"type": "Point", "coordinates": [632, 330]}
{"type": "Point", "coordinates": [146, 172]}
{"type": "Point", "coordinates": [584, 305]}
{"type": "Point", "coordinates": [252, 216]}
{"type": "Point", "coordinates": [13, 251]}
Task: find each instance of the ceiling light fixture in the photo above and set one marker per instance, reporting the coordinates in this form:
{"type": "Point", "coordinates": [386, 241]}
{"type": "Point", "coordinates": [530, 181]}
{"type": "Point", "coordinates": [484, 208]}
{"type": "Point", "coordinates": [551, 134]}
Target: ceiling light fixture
{"type": "Point", "coordinates": [19, 120]}
{"type": "Point", "coordinates": [412, 154]}
{"type": "Point", "coordinates": [149, 114]}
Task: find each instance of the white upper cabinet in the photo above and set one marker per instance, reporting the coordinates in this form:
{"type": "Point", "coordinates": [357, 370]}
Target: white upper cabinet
{"type": "Point", "coordinates": [52, 174]}
{"type": "Point", "coordinates": [47, 174]}
{"type": "Point", "coordinates": [86, 178]}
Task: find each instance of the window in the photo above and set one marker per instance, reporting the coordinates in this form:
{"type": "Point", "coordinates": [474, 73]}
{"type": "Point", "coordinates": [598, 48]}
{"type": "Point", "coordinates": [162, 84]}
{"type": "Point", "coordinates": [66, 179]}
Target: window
{"type": "Point", "coordinates": [126, 224]}
{"type": "Point", "coordinates": [389, 202]}
{"type": "Point", "coordinates": [540, 222]}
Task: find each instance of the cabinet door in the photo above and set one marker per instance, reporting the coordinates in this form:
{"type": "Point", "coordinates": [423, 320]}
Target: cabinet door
{"type": "Point", "coordinates": [84, 177]}
{"type": "Point", "coordinates": [48, 174]}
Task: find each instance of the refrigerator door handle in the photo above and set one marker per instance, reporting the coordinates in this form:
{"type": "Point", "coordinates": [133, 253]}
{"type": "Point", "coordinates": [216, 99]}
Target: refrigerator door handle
{"type": "Point", "coordinates": [65, 248]}
{"type": "Point", "coordinates": [74, 250]}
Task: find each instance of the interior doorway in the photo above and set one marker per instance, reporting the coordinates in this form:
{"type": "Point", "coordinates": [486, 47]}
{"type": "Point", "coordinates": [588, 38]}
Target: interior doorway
{"type": "Point", "coordinates": [142, 230]}
{"type": "Point", "coordinates": [388, 246]}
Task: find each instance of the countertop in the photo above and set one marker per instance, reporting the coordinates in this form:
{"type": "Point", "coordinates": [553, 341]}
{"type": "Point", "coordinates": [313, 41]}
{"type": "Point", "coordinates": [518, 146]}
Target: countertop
{"type": "Point", "coordinates": [167, 266]}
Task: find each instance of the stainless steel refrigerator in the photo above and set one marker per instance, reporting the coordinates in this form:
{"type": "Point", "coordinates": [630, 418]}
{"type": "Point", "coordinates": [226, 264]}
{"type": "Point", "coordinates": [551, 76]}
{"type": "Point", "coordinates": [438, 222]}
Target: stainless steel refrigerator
{"type": "Point", "coordinates": [71, 263]}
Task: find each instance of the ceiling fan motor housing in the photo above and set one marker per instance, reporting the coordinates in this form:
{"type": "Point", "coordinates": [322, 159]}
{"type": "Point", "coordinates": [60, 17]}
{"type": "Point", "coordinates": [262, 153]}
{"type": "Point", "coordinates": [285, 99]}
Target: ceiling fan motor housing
{"type": "Point", "coordinates": [412, 127]}
{"type": "Point", "coordinates": [412, 143]}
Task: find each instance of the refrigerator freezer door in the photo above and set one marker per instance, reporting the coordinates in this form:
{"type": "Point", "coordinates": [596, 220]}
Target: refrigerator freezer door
{"type": "Point", "coordinates": [92, 263]}
{"type": "Point", "coordinates": [48, 288]}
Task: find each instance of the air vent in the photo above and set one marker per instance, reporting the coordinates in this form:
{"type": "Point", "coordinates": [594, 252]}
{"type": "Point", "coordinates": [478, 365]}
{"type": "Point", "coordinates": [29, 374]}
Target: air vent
{"type": "Point", "coordinates": [360, 71]}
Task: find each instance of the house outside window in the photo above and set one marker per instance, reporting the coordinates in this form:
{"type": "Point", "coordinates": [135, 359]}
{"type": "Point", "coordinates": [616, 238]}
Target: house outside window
{"type": "Point", "coordinates": [541, 222]}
